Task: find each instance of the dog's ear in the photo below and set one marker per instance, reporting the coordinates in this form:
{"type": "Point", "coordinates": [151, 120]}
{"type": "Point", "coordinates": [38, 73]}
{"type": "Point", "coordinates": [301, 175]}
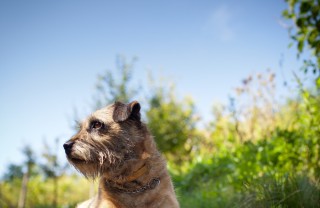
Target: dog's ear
{"type": "Point", "coordinates": [135, 110]}
{"type": "Point", "coordinates": [123, 111]}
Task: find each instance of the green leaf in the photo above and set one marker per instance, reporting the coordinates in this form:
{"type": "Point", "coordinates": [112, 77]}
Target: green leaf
{"type": "Point", "coordinates": [318, 82]}
{"type": "Point", "coordinates": [305, 7]}
{"type": "Point", "coordinates": [312, 36]}
{"type": "Point", "coordinates": [300, 45]}
{"type": "Point", "coordinates": [301, 22]}
{"type": "Point", "coordinates": [315, 11]}
{"type": "Point", "coordinates": [286, 14]}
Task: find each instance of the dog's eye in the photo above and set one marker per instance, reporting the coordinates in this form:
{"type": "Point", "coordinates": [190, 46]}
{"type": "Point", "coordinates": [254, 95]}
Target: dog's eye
{"type": "Point", "coordinates": [96, 125]}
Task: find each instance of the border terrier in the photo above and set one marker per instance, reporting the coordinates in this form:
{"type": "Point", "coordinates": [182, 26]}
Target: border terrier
{"type": "Point", "coordinates": [115, 146]}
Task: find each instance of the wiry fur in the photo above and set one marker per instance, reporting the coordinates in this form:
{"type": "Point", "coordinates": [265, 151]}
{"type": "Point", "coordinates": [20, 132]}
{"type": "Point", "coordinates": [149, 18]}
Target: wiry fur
{"type": "Point", "coordinates": [115, 152]}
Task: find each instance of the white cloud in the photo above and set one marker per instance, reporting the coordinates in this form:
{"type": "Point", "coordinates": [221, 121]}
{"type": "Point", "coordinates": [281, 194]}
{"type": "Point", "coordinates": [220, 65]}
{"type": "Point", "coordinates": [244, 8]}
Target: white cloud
{"type": "Point", "coordinates": [220, 24]}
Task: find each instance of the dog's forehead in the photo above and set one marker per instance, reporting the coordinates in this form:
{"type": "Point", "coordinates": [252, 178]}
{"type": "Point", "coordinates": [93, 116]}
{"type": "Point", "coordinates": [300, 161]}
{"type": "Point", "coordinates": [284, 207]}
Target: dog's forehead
{"type": "Point", "coordinates": [104, 114]}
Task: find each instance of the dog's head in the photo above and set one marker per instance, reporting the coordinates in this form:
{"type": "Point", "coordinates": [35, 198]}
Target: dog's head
{"type": "Point", "coordinates": [106, 139]}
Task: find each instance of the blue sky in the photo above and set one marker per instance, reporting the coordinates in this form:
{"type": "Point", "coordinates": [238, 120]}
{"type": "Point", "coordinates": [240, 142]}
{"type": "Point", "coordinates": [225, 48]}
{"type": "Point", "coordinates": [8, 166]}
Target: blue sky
{"type": "Point", "coordinates": [52, 51]}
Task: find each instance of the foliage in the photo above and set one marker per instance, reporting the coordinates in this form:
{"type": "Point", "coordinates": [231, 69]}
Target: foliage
{"type": "Point", "coordinates": [172, 124]}
{"type": "Point", "coordinates": [283, 191]}
{"type": "Point", "coordinates": [40, 192]}
{"type": "Point", "coordinates": [232, 172]}
{"type": "Point", "coordinates": [29, 165]}
{"type": "Point", "coordinates": [305, 15]}
{"type": "Point", "coordinates": [29, 154]}
{"type": "Point", "coordinates": [13, 171]}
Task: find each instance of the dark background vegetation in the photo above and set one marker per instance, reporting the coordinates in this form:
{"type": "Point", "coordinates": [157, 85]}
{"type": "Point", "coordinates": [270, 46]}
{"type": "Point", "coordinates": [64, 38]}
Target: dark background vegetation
{"type": "Point", "coordinates": [256, 152]}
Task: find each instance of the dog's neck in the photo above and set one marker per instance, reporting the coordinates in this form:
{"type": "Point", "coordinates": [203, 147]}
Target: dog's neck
{"type": "Point", "coordinates": [132, 184]}
{"type": "Point", "coordinates": [133, 176]}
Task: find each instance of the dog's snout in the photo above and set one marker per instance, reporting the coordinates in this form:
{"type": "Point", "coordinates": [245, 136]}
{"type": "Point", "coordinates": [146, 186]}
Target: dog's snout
{"type": "Point", "coordinates": [68, 147]}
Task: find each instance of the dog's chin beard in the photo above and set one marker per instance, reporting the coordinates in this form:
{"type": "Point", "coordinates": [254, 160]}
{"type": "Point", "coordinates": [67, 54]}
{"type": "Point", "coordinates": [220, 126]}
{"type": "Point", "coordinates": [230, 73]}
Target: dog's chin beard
{"type": "Point", "coordinates": [87, 170]}
{"type": "Point", "coordinates": [92, 169]}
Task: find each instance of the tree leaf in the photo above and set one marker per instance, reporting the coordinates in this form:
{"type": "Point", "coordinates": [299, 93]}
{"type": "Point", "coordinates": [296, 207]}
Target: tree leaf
{"type": "Point", "coordinates": [305, 7]}
{"type": "Point", "coordinates": [300, 45]}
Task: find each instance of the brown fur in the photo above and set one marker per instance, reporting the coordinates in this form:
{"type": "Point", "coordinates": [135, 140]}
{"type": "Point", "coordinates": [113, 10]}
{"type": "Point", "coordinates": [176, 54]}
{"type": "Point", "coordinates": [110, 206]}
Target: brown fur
{"type": "Point", "coordinates": [114, 145]}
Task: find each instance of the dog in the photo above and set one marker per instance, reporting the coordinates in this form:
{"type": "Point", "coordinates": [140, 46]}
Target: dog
{"type": "Point", "coordinates": [114, 145]}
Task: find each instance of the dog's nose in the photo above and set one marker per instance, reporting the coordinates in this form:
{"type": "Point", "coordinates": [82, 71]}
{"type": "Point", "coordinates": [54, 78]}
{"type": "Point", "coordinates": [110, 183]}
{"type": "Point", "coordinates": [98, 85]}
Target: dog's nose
{"type": "Point", "coordinates": [68, 147]}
